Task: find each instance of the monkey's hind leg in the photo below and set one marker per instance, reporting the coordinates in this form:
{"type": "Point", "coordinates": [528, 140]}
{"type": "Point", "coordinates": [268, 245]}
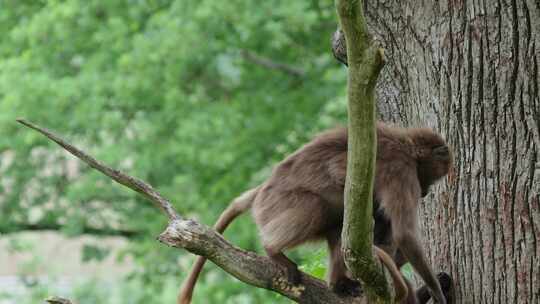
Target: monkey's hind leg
{"type": "Point", "coordinates": [338, 280]}
{"type": "Point", "coordinates": [293, 274]}
{"type": "Point", "coordinates": [298, 223]}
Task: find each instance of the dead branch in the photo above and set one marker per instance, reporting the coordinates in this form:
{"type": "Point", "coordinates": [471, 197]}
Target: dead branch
{"type": "Point", "coordinates": [271, 64]}
{"type": "Point", "coordinates": [58, 300]}
{"type": "Point", "coordinates": [85, 229]}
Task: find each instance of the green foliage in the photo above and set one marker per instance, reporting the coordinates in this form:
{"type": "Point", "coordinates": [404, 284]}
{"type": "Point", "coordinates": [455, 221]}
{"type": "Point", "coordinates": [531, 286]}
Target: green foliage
{"type": "Point", "coordinates": [315, 263]}
{"type": "Point", "coordinates": [93, 252]}
{"type": "Point", "coordinates": [408, 271]}
{"type": "Point", "coordinates": [161, 90]}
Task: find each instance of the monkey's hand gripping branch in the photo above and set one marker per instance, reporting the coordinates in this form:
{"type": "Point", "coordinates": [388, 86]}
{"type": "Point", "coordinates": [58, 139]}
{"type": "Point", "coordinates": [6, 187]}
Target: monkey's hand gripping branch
{"type": "Point", "coordinates": [365, 61]}
{"type": "Point", "coordinates": [202, 240]}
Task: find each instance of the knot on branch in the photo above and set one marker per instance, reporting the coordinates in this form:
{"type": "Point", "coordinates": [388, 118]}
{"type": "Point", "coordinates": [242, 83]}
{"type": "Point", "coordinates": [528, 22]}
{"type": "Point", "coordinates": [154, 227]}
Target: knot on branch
{"type": "Point", "coordinates": [182, 234]}
{"type": "Point", "coordinates": [339, 50]}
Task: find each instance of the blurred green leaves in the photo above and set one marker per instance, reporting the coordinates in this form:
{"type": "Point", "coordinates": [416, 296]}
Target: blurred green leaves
{"type": "Point", "coordinates": [94, 253]}
{"type": "Point", "coordinates": [161, 90]}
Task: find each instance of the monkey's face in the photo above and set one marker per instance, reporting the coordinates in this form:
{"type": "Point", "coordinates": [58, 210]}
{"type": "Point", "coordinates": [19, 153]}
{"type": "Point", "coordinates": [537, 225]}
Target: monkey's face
{"type": "Point", "coordinates": [433, 156]}
{"type": "Point", "coordinates": [434, 163]}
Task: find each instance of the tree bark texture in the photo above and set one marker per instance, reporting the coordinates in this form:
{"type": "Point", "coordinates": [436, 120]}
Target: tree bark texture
{"type": "Point", "coordinates": [470, 69]}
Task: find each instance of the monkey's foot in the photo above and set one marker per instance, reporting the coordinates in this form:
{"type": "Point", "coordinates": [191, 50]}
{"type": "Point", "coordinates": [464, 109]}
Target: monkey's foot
{"type": "Point", "coordinates": [347, 287]}
{"type": "Point", "coordinates": [445, 280]}
{"type": "Point", "coordinates": [447, 286]}
{"type": "Point", "coordinates": [294, 276]}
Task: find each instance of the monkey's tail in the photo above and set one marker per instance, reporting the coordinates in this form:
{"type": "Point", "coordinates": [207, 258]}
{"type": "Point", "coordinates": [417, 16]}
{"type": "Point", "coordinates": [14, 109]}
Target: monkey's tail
{"type": "Point", "coordinates": [239, 205]}
{"type": "Point", "coordinates": [401, 288]}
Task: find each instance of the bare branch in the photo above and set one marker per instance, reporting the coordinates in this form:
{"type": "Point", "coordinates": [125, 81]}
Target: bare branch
{"type": "Point", "coordinates": [40, 226]}
{"type": "Point", "coordinates": [58, 300]}
{"type": "Point", "coordinates": [117, 175]}
{"type": "Point", "coordinates": [268, 63]}
{"type": "Point", "coordinates": [339, 46]}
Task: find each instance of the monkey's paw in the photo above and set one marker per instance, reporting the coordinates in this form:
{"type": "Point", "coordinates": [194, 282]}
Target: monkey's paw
{"type": "Point", "coordinates": [445, 280]}
{"type": "Point", "coordinates": [447, 286]}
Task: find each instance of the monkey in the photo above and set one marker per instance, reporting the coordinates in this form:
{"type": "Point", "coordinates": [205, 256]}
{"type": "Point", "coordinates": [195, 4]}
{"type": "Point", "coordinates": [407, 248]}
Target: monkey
{"type": "Point", "coordinates": [302, 201]}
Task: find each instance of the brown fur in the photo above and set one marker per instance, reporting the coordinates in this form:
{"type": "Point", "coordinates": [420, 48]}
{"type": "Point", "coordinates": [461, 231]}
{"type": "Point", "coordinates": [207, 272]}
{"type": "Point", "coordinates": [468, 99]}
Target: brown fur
{"type": "Point", "coordinates": [303, 199]}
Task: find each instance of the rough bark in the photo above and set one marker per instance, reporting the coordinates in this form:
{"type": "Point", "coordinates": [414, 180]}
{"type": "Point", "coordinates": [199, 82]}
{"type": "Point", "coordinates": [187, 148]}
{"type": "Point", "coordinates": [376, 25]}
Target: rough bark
{"type": "Point", "coordinates": [272, 64]}
{"type": "Point", "coordinates": [46, 226]}
{"type": "Point", "coordinates": [471, 70]}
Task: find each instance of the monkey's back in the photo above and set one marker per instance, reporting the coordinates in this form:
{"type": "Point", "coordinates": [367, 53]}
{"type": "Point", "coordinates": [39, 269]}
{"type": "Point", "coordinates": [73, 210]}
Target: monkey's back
{"type": "Point", "coordinates": [303, 198]}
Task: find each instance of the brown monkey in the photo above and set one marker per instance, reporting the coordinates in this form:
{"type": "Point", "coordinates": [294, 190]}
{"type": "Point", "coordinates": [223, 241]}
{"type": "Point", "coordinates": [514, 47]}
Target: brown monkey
{"type": "Point", "coordinates": [303, 200]}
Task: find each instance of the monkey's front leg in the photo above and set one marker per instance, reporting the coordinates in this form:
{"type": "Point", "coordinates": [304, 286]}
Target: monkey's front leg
{"type": "Point", "coordinates": [447, 286]}
{"type": "Point", "coordinates": [293, 274]}
{"type": "Point", "coordinates": [410, 247]}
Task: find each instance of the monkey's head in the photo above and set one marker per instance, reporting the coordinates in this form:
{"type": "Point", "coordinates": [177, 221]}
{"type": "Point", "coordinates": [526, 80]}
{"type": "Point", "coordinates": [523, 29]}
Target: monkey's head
{"type": "Point", "coordinates": [433, 156]}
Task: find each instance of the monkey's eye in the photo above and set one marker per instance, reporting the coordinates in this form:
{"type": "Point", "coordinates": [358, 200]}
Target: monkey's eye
{"type": "Point", "coordinates": [441, 152]}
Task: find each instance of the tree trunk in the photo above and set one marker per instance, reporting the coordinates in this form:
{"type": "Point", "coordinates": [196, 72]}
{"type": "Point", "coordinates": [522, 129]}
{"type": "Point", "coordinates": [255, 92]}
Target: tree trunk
{"type": "Point", "coordinates": [470, 70]}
